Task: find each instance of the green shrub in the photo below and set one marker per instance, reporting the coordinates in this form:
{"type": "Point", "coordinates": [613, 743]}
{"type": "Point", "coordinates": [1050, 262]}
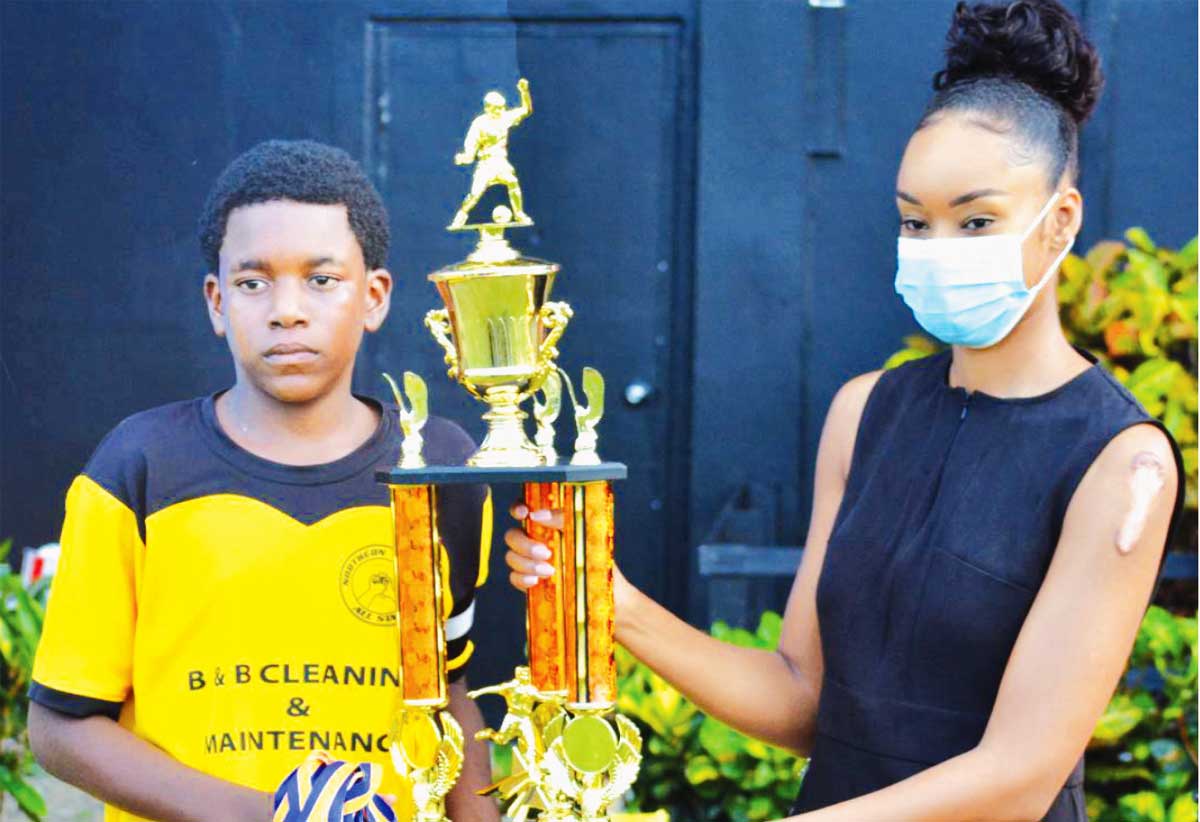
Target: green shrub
{"type": "Point", "coordinates": [1133, 306]}
{"type": "Point", "coordinates": [21, 615]}
{"type": "Point", "coordinates": [694, 766]}
{"type": "Point", "coordinates": [1141, 762]}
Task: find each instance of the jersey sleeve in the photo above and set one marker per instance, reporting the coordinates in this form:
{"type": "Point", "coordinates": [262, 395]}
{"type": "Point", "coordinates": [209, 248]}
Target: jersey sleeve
{"type": "Point", "coordinates": [84, 659]}
{"type": "Point", "coordinates": [465, 525]}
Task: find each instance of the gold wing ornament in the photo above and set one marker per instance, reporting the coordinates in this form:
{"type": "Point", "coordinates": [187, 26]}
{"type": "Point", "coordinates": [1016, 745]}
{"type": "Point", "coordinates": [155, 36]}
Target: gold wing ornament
{"type": "Point", "coordinates": [545, 413]}
{"type": "Point", "coordinates": [450, 756]}
{"type": "Point", "coordinates": [428, 753]}
{"type": "Point", "coordinates": [412, 417]}
{"type": "Point", "coordinates": [587, 417]}
{"type": "Point", "coordinates": [624, 771]}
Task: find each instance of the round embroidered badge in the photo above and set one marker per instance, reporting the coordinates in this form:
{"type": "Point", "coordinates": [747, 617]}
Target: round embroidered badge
{"type": "Point", "coordinates": [368, 584]}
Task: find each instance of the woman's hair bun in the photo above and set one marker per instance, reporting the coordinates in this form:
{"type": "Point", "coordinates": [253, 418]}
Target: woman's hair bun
{"type": "Point", "coordinates": [1037, 42]}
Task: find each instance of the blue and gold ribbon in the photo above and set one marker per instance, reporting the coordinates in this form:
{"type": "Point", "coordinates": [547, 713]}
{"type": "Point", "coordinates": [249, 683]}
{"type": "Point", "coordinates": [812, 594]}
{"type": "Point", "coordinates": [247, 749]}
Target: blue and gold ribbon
{"type": "Point", "coordinates": [323, 789]}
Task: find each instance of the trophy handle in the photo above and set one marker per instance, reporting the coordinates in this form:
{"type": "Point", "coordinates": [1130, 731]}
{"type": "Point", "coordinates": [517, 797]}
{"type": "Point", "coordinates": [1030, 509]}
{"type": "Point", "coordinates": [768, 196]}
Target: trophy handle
{"type": "Point", "coordinates": [437, 320]}
{"type": "Point", "coordinates": [554, 317]}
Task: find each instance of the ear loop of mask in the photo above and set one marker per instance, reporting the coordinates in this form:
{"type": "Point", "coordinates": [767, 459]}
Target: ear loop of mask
{"type": "Point", "coordinates": [1062, 255]}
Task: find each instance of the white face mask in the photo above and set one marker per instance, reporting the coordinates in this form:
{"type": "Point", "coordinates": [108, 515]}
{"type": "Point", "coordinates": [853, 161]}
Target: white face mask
{"type": "Point", "coordinates": [969, 291]}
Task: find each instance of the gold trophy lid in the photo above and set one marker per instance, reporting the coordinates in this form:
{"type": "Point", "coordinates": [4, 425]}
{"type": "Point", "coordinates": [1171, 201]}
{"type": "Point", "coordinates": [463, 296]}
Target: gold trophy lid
{"type": "Point", "coordinates": [493, 256]}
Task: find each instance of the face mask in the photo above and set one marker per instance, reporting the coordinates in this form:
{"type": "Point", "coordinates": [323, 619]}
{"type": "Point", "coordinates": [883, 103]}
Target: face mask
{"type": "Point", "coordinates": [969, 291]}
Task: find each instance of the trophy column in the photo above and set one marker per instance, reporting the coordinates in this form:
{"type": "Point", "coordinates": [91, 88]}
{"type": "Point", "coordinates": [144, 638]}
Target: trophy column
{"type": "Point", "coordinates": [427, 743]}
{"type": "Point", "coordinates": [583, 761]}
{"type": "Point", "coordinates": [545, 605]}
{"type": "Point", "coordinates": [569, 615]}
{"type": "Point", "coordinates": [588, 579]}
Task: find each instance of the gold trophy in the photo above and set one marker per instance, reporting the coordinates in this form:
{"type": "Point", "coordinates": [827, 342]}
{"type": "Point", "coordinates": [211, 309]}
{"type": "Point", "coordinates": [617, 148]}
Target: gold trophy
{"type": "Point", "coordinates": [499, 332]}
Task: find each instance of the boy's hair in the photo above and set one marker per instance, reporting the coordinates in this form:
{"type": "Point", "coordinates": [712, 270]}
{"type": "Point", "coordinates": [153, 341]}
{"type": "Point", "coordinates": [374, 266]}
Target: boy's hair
{"type": "Point", "coordinates": [304, 171]}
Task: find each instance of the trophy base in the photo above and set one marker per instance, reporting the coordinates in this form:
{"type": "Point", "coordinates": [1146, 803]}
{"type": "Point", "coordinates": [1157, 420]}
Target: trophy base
{"type": "Point", "coordinates": [427, 751]}
{"type": "Point", "coordinates": [570, 765]}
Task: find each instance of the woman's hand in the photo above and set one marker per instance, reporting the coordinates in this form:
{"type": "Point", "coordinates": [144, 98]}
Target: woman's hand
{"type": "Point", "coordinates": [528, 559]}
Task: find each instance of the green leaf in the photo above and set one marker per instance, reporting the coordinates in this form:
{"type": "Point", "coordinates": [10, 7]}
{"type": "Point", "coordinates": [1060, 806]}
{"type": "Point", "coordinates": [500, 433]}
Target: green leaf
{"type": "Point", "coordinates": [1171, 783]}
{"type": "Point", "coordinates": [1140, 239]}
{"type": "Point", "coordinates": [1151, 381]}
{"type": "Point", "coordinates": [720, 741]}
{"type": "Point", "coordinates": [756, 748]}
{"type": "Point", "coordinates": [7, 640]}
{"type": "Point", "coordinates": [760, 808]}
{"type": "Point", "coordinates": [738, 636]}
{"type": "Point", "coordinates": [1104, 774]}
{"type": "Point", "coordinates": [1121, 717]}
{"type": "Point", "coordinates": [1187, 255]}
{"type": "Point", "coordinates": [1143, 806]}
{"type": "Point", "coordinates": [1183, 809]}
{"type": "Point", "coordinates": [1096, 805]}
{"type": "Point", "coordinates": [770, 626]}
{"type": "Point", "coordinates": [761, 776]}
{"type": "Point", "coordinates": [29, 800]}
{"type": "Point", "coordinates": [903, 356]}
{"type": "Point", "coordinates": [701, 769]}
{"type": "Point", "coordinates": [1161, 632]}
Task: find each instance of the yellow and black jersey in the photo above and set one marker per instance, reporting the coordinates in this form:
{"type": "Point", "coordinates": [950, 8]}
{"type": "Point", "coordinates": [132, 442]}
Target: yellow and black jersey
{"type": "Point", "coordinates": [236, 612]}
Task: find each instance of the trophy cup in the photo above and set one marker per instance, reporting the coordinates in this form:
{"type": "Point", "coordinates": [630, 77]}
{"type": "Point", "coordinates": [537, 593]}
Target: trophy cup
{"type": "Point", "coordinates": [499, 330]}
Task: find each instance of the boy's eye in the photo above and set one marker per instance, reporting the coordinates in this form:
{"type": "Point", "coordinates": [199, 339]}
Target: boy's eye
{"type": "Point", "coordinates": [912, 224]}
{"type": "Point", "coordinates": [324, 281]}
{"type": "Point", "coordinates": [978, 223]}
{"type": "Point", "coordinates": [250, 285]}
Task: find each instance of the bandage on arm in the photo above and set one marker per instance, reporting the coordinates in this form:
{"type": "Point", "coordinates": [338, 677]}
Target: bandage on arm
{"type": "Point", "coordinates": [1146, 479]}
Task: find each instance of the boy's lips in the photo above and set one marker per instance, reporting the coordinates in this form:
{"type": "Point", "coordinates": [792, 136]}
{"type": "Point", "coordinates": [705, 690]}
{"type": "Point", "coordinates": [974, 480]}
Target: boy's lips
{"type": "Point", "coordinates": [285, 353]}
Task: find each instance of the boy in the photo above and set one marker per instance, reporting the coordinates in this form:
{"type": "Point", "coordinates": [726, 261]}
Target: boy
{"type": "Point", "coordinates": [225, 603]}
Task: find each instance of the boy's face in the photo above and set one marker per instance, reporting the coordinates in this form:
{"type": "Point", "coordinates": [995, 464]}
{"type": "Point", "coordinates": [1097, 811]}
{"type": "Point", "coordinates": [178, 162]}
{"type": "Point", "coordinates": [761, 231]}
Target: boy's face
{"type": "Point", "coordinates": [293, 297]}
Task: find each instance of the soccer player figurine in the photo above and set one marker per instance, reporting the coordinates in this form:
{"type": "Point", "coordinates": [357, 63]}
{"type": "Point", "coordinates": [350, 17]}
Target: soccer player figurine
{"type": "Point", "coordinates": [487, 146]}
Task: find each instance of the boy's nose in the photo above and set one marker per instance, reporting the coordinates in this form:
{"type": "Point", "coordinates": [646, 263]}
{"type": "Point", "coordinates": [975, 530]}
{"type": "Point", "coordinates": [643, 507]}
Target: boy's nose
{"type": "Point", "coordinates": [287, 307]}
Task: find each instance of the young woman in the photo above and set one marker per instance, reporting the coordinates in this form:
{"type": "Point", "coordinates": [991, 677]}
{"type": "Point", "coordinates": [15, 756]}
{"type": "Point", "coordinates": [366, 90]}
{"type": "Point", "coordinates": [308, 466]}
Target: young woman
{"type": "Point", "coordinates": [988, 524]}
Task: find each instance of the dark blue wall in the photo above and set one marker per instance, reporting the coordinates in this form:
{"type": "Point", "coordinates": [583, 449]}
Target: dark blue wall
{"type": "Point", "coordinates": [757, 261]}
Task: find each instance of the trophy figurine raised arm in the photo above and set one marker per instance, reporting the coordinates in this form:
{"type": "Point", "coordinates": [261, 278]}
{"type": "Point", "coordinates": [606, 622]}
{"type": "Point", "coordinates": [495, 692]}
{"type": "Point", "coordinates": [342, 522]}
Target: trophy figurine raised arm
{"type": "Point", "coordinates": [499, 331]}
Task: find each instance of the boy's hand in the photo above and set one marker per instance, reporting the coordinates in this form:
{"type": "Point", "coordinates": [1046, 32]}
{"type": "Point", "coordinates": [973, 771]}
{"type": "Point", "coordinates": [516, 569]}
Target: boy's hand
{"type": "Point", "coordinates": [528, 559]}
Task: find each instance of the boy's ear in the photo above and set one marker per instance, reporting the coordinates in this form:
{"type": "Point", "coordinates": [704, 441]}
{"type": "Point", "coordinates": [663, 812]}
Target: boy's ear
{"type": "Point", "coordinates": [378, 297]}
{"type": "Point", "coordinates": [216, 310]}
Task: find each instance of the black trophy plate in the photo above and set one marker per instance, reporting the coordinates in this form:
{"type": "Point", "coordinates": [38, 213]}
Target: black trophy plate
{"type": "Point", "coordinates": [561, 471]}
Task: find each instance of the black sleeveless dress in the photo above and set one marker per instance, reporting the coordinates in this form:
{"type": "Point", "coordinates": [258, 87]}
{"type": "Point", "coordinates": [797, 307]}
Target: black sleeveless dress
{"type": "Point", "coordinates": [951, 513]}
